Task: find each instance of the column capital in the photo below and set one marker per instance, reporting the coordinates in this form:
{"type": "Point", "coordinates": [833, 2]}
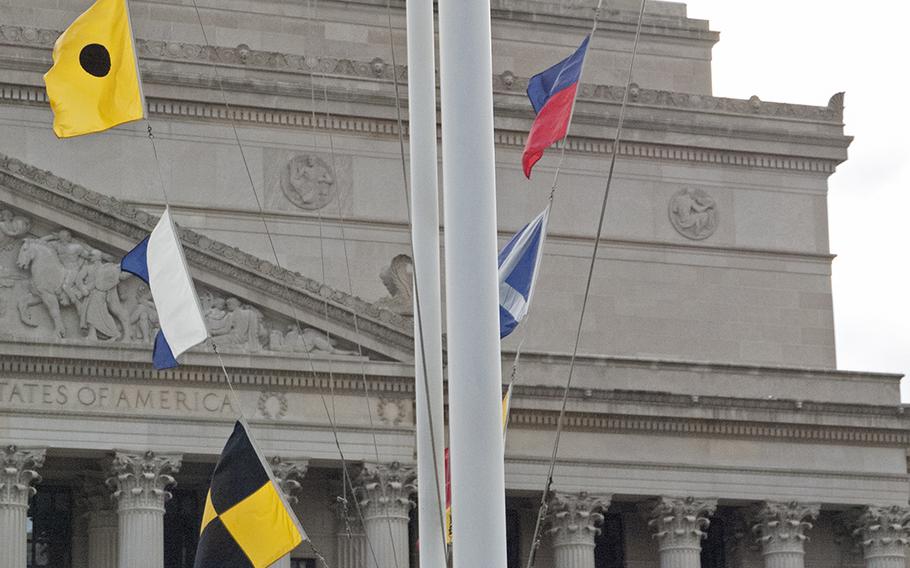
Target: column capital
{"type": "Point", "coordinates": [883, 531]}
{"type": "Point", "coordinates": [573, 518]}
{"type": "Point", "coordinates": [17, 473]}
{"type": "Point", "coordinates": [140, 480]}
{"type": "Point", "coordinates": [288, 473]}
{"type": "Point", "coordinates": [385, 489]}
{"type": "Point", "coordinates": [782, 526]}
{"type": "Point", "coordinates": [680, 522]}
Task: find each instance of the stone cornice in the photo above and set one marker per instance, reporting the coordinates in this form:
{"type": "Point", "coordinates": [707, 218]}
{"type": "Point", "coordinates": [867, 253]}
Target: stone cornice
{"type": "Point", "coordinates": [814, 430]}
{"type": "Point", "coordinates": [306, 294]}
{"type": "Point", "coordinates": [242, 57]}
{"type": "Point", "coordinates": [706, 366]}
{"type": "Point", "coordinates": [601, 464]}
{"type": "Point", "coordinates": [271, 117]}
{"type": "Point", "coordinates": [687, 426]}
{"type": "Point", "coordinates": [710, 402]}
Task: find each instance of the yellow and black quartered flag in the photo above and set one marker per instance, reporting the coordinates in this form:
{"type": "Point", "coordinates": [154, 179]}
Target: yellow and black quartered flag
{"type": "Point", "coordinates": [94, 83]}
{"type": "Point", "coordinates": [247, 523]}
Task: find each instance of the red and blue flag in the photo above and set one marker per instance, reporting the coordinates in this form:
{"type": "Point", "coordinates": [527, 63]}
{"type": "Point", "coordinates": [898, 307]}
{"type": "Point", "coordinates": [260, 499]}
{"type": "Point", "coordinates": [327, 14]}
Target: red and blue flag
{"type": "Point", "coordinates": [552, 95]}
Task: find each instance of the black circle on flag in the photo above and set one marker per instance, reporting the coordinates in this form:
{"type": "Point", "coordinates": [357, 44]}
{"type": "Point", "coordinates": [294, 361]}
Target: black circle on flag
{"type": "Point", "coordinates": [95, 59]}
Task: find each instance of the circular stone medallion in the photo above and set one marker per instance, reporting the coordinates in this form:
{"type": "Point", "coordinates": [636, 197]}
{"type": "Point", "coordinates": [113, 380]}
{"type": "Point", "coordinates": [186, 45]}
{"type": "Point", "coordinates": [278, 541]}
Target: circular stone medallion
{"type": "Point", "coordinates": [693, 213]}
{"type": "Point", "coordinates": [308, 182]}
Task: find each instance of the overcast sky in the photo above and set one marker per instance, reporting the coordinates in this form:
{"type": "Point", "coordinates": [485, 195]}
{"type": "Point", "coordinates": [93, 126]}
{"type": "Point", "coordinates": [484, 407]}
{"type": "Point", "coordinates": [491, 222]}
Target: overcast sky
{"type": "Point", "coordinates": [803, 51]}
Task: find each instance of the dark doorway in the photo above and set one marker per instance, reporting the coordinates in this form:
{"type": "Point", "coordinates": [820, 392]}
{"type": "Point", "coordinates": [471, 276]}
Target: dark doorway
{"type": "Point", "coordinates": [609, 546]}
{"type": "Point", "coordinates": [713, 549]}
{"type": "Point", "coordinates": [50, 515]}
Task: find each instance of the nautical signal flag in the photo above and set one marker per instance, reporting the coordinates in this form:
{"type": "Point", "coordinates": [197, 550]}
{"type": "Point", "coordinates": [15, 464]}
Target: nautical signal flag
{"type": "Point", "coordinates": [159, 261]}
{"type": "Point", "coordinates": [518, 263]}
{"type": "Point", "coordinates": [552, 95]}
{"type": "Point", "coordinates": [247, 522]}
{"type": "Point", "coordinates": [94, 83]}
{"type": "Point", "coordinates": [448, 498]}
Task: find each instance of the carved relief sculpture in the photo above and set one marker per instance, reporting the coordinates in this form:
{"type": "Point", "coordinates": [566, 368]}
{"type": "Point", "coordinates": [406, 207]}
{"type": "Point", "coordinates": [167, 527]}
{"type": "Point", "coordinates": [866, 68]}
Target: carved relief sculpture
{"type": "Point", "coordinates": [693, 213]}
{"type": "Point", "coordinates": [12, 227]}
{"type": "Point", "coordinates": [398, 278]}
{"type": "Point", "coordinates": [308, 182]}
{"type": "Point", "coordinates": [304, 340]}
{"type": "Point", "coordinates": [82, 288]}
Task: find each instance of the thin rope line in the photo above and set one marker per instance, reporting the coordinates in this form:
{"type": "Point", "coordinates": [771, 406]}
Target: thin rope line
{"type": "Point", "coordinates": [418, 311]}
{"type": "Point", "coordinates": [565, 139]}
{"type": "Point", "coordinates": [514, 377]}
{"type": "Point", "coordinates": [332, 422]}
{"type": "Point", "coordinates": [603, 209]}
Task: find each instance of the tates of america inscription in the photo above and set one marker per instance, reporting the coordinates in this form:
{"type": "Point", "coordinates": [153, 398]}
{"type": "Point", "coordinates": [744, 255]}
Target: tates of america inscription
{"type": "Point", "coordinates": [59, 396]}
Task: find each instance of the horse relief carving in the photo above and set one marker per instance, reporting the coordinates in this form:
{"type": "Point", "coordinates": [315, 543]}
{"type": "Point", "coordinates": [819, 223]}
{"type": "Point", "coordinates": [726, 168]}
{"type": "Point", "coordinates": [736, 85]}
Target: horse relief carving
{"type": "Point", "coordinates": [65, 273]}
{"type": "Point", "coordinates": [67, 289]}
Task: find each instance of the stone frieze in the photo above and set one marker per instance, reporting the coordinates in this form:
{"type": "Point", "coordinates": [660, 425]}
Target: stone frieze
{"type": "Point", "coordinates": [308, 294]}
{"type": "Point", "coordinates": [378, 69]}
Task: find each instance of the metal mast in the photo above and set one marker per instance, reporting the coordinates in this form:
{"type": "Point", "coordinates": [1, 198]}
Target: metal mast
{"type": "Point", "coordinates": [427, 300]}
{"type": "Point", "coordinates": [472, 291]}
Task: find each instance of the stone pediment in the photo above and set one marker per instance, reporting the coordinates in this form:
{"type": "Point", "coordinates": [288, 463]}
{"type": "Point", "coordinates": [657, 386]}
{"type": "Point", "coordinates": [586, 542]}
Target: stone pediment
{"type": "Point", "coordinates": [60, 282]}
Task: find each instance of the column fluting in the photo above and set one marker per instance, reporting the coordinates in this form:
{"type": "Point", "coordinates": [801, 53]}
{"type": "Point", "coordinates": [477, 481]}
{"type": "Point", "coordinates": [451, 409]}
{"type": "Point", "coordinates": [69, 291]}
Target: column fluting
{"type": "Point", "coordinates": [17, 473]}
{"type": "Point", "coordinates": [383, 493]}
{"type": "Point", "coordinates": [140, 482]}
{"type": "Point", "coordinates": [680, 524]}
{"type": "Point", "coordinates": [782, 532]}
{"type": "Point", "coordinates": [573, 519]}
{"type": "Point", "coordinates": [884, 534]}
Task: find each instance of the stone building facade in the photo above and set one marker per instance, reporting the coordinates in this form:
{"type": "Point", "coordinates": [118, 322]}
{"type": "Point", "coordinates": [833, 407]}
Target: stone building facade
{"type": "Point", "coordinates": [707, 425]}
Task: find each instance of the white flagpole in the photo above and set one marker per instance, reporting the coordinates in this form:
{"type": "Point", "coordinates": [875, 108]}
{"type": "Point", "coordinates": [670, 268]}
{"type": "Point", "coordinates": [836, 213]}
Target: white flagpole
{"type": "Point", "coordinates": [428, 314]}
{"type": "Point", "coordinates": [472, 291]}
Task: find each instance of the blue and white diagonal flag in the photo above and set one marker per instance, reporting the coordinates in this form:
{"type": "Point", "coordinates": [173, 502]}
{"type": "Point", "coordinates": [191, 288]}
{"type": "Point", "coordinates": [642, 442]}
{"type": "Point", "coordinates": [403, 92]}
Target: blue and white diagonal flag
{"type": "Point", "coordinates": [159, 260]}
{"type": "Point", "coordinates": [518, 263]}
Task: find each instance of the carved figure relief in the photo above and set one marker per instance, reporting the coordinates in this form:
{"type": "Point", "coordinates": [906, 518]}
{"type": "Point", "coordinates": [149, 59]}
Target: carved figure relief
{"type": "Point", "coordinates": [304, 340]}
{"type": "Point", "coordinates": [12, 227]}
{"type": "Point", "coordinates": [398, 279]}
{"type": "Point", "coordinates": [234, 323]}
{"type": "Point", "coordinates": [308, 182]}
{"type": "Point", "coordinates": [65, 288]}
{"type": "Point", "coordinates": [693, 213]}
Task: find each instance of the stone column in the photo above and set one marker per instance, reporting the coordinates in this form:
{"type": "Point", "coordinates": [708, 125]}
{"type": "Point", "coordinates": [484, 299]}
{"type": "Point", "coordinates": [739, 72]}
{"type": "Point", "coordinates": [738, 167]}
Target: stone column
{"type": "Point", "coordinates": [572, 519]}
{"type": "Point", "coordinates": [383, 493]}
{"type": "Point", "coordinates": [287, 474]}
{"type": "Point", "coordinates": [139, 482]}
{"type": "Point", "coordinates": [17, 472]}
{"type": "Point", "coordinates": [781, 528]}
{"type": "Point", "coordinates": [103, 533]}
{"type": "Point", "coordinates": [351, 538]}
{"type": "Point", "coordinates": [95, 522]}
{"type": "Point", "coordinates": [79, 541]}
{"type": "Point", "coordinates": [680, 524]}
{"type": "Point", "coordinates": [883, 533]}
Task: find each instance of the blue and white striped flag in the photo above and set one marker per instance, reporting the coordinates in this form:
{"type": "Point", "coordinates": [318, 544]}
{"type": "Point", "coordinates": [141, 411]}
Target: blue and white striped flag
{"type": "Point", "coordinates": [518, 263]}
{"type": "Point", "coordinates": [159, 261]}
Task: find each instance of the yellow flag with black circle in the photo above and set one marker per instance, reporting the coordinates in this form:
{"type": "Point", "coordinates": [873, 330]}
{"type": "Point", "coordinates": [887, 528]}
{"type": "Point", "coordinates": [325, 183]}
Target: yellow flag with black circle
{"type": "Point", "coordinates": [247, 522]}
{"type": "Point", "coordinates": [94, 82]}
